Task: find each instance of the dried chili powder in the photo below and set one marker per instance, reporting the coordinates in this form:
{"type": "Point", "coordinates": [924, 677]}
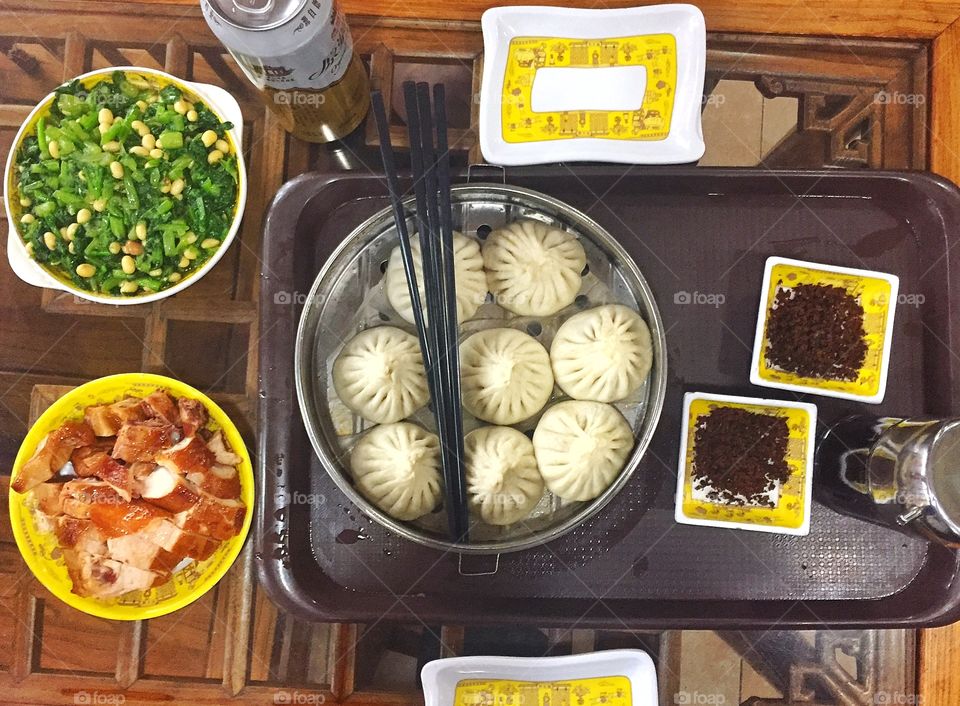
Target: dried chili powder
{"type": "Point", "coordinates": [740, 455]}
{"type": "Point", "coordinates": [816, 331]}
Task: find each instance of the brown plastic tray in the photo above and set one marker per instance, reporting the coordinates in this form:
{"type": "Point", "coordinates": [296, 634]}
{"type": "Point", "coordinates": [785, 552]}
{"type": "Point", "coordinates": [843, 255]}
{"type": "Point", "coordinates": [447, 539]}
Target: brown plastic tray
{"type": "Point", "coordinates": [693, 232]}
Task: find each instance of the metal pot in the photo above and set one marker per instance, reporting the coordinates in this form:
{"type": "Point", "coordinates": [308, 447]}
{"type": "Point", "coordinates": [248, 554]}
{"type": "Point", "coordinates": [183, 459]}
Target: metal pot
{"type": "Point", "coordinates": [901, 473]}
{"type": "Point", "coordinates": [347, 297]}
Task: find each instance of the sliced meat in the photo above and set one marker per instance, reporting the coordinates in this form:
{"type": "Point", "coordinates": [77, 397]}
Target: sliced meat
{"type": "Point", "coordinates": [101, 465]}
{"type": "Point", "coordinates": [106, 419]}
{"type": "Point", "coordinates": [169, 490]}
{"type": "Point", "coordinates": [193, 415]}
{"type": "Point", "coordinates": [221, 450]}
{"type": "Point", "coordinates": [213, 517]}
{"type": "Point", "coordinates": [99, 502]}
{"type": "Point", "coordinates": [102, 577]}
{"type": "Point", "coordinates": [119, 477]}
{"type": "Point", "coordinates": [179, 542]}
{"type": "Point", "coordinates": [141, 441]}
{"type": "Point", "coordinates": [159, 405]}
{"type": "Point", "coordinates": [47, 496]}
{"type": "Point", "coordinates": [52, 455]}
{"type": "Point", "coordinates": [81, 535]}
{"type": "Point", "coordinates": [78, 497]}
{"type": "Point", "coordinates": [122, 517]}
{"type": "Point", "coordinates": [140, 471]}
{"type": "Point", "coordinates": [191, 455]}
{"type": "Point", "coordinates": [137, 550]}
{"type": "Point", "coordinates": [220, 481]}
{"type": "Point", "coordinates": [85, 459]}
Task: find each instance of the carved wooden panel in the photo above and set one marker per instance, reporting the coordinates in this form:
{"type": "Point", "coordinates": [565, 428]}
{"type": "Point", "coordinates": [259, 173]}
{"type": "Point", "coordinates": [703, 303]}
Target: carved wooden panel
{"type": "Point", "coordinates": [233, 644]}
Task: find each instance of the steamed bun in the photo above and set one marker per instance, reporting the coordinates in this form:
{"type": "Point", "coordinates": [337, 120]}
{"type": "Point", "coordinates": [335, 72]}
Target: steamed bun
{"type": "Point", "coordinates": [602, 354]}
{"type": "Point", "coordinates": [533, 269]}
{"type": "Point", "coordinates": [397, 468]}
{"type": "Point", "coordinates": [581, 447]}
{"type": "Point", "coordinates": [505, 375]}
{"type": "Point", "coordinates": [468, 274]}
{"type": "Point", "coordinates": [503, 483]}
{"type": "Point", "coordinates": [380, 376]}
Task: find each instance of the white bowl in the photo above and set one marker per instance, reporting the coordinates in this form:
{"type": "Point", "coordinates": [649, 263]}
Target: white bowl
{"type": "Point", "coordinates": [440, 677]}
{"type": "Point", "coordinates": [221, 102]}
{"type": "Point", "coordinates": [609, 85]}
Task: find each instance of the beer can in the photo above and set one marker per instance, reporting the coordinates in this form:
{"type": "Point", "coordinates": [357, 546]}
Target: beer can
{"type": "Point", "coordinates": [299, 53]}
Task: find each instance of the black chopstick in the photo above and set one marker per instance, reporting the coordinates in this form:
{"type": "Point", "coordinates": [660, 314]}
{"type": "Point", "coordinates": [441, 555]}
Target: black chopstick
{"type": "Point", "coordinates": [452, 343]}
{"type": "Point", "coordinates": [442, 325]}
{"type": "Point", "coordinates": [400, 217]}
{"type": "Point", "coordinates": [427, 336]}
{"type": "Point", "coordinates": [440, 330]}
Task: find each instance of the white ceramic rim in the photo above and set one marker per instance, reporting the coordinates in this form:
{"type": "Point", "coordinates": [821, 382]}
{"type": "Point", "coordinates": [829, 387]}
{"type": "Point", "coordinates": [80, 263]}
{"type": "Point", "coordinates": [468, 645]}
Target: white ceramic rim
{"type": "Point", "coordinates": [30, 271]}
{"type": "Point", "coordinates": [755, 377]}
{"type": "Point", "coordinates": [684, 519]}
{"type": "Point", "coordinates": [441, 676]}
{"type": "Point", "coordinates": [683, 144]}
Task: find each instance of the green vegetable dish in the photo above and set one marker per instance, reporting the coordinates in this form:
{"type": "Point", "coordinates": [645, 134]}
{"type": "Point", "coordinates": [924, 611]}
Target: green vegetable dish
{"type": "Point", "coordinates": [125, 187]}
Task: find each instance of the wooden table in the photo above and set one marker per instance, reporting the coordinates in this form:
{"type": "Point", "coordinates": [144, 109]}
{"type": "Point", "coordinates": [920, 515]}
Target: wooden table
{"type": "Point", "coordinates": [233, 644]}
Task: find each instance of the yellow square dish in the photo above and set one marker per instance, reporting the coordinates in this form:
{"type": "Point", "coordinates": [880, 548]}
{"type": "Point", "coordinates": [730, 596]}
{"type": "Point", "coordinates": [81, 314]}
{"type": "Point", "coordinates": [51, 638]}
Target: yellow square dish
{"type": "Point", "coordinates": [876, 293]}
{"type": "Point", "coordinates": [791, 513]}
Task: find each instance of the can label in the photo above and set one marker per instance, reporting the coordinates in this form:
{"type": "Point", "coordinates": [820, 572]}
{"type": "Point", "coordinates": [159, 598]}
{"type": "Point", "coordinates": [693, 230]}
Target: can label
{"type": "Point", "coordinates": [311, 51]}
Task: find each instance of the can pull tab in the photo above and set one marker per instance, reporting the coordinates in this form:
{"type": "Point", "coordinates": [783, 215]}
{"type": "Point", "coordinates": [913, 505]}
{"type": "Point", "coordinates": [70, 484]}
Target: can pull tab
{"type": "Point", "coordinates": [910, 515]}
{"type": "Point", "coordinates": [478, 565]}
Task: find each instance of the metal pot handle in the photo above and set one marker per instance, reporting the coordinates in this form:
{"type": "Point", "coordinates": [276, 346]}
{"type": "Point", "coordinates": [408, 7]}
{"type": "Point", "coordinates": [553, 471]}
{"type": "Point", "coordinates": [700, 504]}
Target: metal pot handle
{"type": "Point", "coordinates": [486, 172]}
{"type": "Point", "coordinates": [480, 569]}
{"type": "Point", "coordinates": [910, 515]}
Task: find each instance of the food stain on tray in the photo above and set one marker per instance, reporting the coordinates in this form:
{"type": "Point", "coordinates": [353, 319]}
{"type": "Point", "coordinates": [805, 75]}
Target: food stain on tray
{"type": "Point", "coordinates": [656, 53]}
{"type": "Point", "coordinates": [593, 691]}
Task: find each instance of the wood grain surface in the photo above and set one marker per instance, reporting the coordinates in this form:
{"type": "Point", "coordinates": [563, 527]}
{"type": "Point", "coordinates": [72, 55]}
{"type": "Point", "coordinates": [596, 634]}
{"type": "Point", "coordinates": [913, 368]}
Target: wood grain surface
{"type": "Point", "coordinates": [939, 659]}
{"type": "Point", "coordinates": [848, 18]}
{"type": "Point", "coordinates": [234, 644]}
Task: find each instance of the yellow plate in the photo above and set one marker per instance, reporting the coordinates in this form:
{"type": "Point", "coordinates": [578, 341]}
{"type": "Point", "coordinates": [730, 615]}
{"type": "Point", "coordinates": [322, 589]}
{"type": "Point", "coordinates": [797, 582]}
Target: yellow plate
{"type": "Point", "coordinates": [791, 515]}
{"type": "Point", "coordinates": [40, 549]}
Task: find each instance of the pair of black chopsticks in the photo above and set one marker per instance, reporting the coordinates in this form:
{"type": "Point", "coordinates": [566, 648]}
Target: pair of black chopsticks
{"type": "Point", "coordinates": [430, 164]}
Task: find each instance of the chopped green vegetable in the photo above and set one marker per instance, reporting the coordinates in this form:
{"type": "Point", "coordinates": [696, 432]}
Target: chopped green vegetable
{"type": "Point", "coordinates": [89, 179]}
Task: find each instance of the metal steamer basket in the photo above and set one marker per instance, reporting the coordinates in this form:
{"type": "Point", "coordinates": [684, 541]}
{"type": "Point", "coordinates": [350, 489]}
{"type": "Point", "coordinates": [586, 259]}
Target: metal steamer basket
{"type": "Point", "coordinates": [347, 297]}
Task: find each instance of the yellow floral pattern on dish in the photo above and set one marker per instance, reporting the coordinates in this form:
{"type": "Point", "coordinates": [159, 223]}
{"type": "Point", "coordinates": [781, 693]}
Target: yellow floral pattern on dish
{"type": "Point", "coordinates": [789, 511]}
{"type": "Point", "coordinates": [656, 52]}
{"type": "Point", "coordinates": [874, 295]}
{"type": "Point", "coordinates": [593, 691]}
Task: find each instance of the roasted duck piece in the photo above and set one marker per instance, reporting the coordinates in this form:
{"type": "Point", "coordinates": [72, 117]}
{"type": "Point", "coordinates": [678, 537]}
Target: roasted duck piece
{"type": "Point", "coordinates": [53, 454]}
{"type": "Point", "coordinates": [151, 489]}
